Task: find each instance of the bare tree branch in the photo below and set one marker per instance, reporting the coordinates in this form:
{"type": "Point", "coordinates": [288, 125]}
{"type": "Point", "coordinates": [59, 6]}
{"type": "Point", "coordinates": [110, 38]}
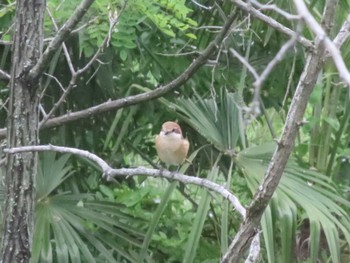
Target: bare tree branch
{"type": "Point", "coordinates": [314, 63]}
{"type": "Point", "coordinates": [4, 75]}
{"type": "Point", "coordinates": [76, 74]}
{"type": "Point", "coordinates": [254, 251]}
{"type": "Point", "coordinates": [91, 21]}
{"type": "Point", "coordinates": [65, 50]}
{"type": "Point", "coordinates": [274, 8]}
{"type": "Point", "coordinates": [5, 42]}
{"type": "Point", "coordinates": [321, 34]}
{"type": "Point", "coordinates": [255, 107]}
{"type": "Point", "coordinates": [110, 173]}
{"type": "Point", "coordinates": [271, 22]}
{"type": "Point", "coordinates": [245, 63]}
{"type": "Point", "coordinates": [156, 93]}
{"type": "Point", "coordinates": [254, 110]}
{"type": "Point", "coordinates": [61, 35]}
{"type": "Point", "coordinates": [343, 34]}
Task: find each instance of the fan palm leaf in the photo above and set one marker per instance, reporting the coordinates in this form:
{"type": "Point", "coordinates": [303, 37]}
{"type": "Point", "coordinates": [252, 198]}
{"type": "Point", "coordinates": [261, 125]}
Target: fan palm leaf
{"type": "Point", "coordinates": [76, 227]}
{"type": "Point", "coordinates": [300, 189]}
{"type": "Point", "coordinates": [311, 191]}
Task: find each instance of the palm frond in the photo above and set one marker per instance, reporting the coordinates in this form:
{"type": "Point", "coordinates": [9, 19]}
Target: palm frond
{"type": "Point", "coordinates": [219, 122]}
{"type": "Point", "coordinates": [75, 227]}
{"type": "Point", "coordinates": [309, 190]}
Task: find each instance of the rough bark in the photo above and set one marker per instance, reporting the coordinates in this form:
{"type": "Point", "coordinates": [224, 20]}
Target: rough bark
{"type": "Point", "coordinates": [22, 129]}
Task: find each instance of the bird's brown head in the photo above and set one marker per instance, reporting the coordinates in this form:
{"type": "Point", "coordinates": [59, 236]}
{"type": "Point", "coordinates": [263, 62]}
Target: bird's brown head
{"type": "Point", "coordinates": [171, 127]}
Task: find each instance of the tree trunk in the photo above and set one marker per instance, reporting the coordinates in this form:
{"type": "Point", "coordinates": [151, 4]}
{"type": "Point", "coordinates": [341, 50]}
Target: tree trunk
{"type": "Point", "coordinates": [22, 129]}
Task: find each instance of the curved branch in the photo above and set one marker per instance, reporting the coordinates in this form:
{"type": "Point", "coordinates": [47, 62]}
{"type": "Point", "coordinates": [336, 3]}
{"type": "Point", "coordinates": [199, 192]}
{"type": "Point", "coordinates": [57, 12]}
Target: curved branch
{"type": "Point", "coordinates": [156, 93]}
{"type": "Point", "coordinates": [110, 173]}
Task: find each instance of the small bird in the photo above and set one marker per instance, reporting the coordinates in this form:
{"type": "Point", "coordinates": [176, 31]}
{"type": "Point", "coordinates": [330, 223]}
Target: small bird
{"type": "Point", "coordinates": [172, 147]}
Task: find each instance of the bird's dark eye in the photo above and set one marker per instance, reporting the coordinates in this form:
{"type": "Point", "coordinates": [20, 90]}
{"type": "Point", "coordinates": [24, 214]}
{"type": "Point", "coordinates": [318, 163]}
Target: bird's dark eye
{"type": "Point", "coordinates": [176, 130]}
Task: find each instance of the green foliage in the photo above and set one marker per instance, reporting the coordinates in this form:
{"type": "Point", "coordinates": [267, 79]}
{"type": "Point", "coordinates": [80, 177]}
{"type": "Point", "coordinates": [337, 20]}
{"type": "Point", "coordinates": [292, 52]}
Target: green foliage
{"type": "Point", "coordinates": [219, 122]}
{"type": "Point", "coordinates": [169, 17]}
{"type": "Point", "coordinates": [320, 203]}
{"type": "Point", "coordinates": [77, 227]}
{"type": "Point", "coordinates": [6, 15]}
{"type": "Point", "coordinates": [198, 224]}
{"type": "Point", "coordinates": [82, 218]}
{"type": "Point", "coordinates": [299, 187]}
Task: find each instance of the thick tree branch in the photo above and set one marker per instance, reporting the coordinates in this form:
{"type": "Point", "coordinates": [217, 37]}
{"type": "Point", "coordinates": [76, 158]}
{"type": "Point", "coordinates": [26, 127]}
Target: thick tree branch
{"type": "Point", "coordinates": [315, 61]}
{"type": "Point", "coordinates": [254, 251]}
{"type": "Point", "coordinates": [61, 35]}
{"type": "Point", "coordinates": [110, 173]}
{"type": "Point", "coordinates": [22, 123]}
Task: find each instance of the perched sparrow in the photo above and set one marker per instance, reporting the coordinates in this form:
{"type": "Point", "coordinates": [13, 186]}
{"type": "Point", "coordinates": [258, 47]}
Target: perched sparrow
{"type": "Point", "coordinates": [171, 146]}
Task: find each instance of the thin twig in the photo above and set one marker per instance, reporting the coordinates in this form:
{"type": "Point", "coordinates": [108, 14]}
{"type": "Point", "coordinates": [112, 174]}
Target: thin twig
{"type": "Point", "coordinates": [274, 8]}
{"type": "Point", "coordinates": [77, 73]}
{"type": "Point", "coordinates": [202, 6]}
{"type": "Point", "coordinates": [4, 75]}
{"type": "Point", "coordinates": [255, 109]}
{"type": "Point", "coordinates": [65, 50]}
{"type": "Point", "coordinates": [56, 80]}
{"type": "Point", "coordinates": [271, 22]}
{"type": "Point", "coordinates": [91, 21]}
{"type": "Point", "coordinates": [321, 34]}
{"type": "Point", "coordinates": [290, 79]}
{"type": "Point", "coordinates": [61, 35]}
{"type": "Point", "coordinates": [245, 62]}
{"type": "Point", "coordinates": [3, 105]}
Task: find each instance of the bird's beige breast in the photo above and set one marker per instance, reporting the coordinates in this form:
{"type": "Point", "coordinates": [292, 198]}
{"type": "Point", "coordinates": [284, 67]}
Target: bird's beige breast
{"type": "Point", "coordinates": [171, 150]}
